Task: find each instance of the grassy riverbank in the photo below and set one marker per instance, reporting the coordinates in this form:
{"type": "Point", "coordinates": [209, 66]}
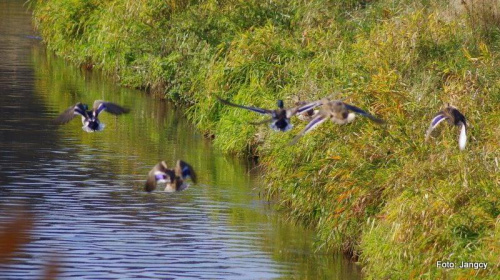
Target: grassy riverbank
{"type": "Point", "coordinates": [377, 192]}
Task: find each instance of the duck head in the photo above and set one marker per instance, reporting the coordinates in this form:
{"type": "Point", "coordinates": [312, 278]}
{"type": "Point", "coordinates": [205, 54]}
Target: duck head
{"type": "Point", "coordinates": [281, 104]}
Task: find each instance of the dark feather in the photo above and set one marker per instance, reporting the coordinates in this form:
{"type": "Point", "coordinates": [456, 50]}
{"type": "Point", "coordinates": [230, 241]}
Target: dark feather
{"type": "Point", "coordinates": [70, 113]}
{"type": "Point", "coordinates": [109, 107]}
{"type": "Point", "coordinates": [363, 113]}
{"type": "Point", "coordinates": [255, 109]}
{"type": "Point", "coordinates": [458, 117]}
{"type": "Point", "coordinates": [281, 124]}
{"type": "Point", "coordinates": [150, 184]}
{"type": "Point", "coordinates": [308, 106]}
{"type": "Point", "coordinates": [310, 126]}
{"type": "Point", "coordinates": [183, 170]}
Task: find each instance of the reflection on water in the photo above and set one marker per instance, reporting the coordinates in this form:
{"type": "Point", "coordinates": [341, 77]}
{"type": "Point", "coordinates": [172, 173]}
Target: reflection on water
{"type": "Point", "coordinates": [86, 189]}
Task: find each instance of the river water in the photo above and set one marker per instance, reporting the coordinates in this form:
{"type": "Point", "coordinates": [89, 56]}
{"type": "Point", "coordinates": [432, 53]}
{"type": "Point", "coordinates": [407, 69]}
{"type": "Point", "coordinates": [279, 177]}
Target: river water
{"type": "Point", "coordinates": [86, 189]}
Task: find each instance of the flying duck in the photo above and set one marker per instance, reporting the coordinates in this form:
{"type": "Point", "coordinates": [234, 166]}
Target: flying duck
{"type": "Point", "coordinates": [172, 178]}
{"type": "Point", "coordinates": [337, 111]}
{"type": "Point", "coordinates": [90, 119]}
{"type": "Point", "coordinates": [280, 118]}
{"type": "Point", "coordinates": [454, 117]}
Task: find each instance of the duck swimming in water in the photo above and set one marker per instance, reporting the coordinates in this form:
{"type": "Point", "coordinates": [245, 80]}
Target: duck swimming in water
{"type": "Point", "coordinates": [454, 117]}
{"type": "Point", "coordinates": [172, 178]}
{"type": "Point", "coordinates": [280, 118]}
{"type": "Point", "coordinates": [337, 111]}
{"type": "Point", "coordinates": [90, 119]}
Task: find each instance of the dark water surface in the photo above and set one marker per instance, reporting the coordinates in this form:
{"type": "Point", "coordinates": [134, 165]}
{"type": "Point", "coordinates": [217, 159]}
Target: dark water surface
{"type": "Point", "coordinates": [85, 189]}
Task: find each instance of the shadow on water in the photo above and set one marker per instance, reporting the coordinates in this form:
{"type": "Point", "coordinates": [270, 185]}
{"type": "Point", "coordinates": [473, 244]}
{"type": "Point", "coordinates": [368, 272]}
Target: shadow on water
{"type": "Point", "coordinates": [86, 189]}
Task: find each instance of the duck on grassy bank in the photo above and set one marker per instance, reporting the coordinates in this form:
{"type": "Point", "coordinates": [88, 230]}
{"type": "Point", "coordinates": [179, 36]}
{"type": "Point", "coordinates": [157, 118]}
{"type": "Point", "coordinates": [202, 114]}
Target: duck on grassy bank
{"type": "Point", "coordinates": [337, 111]}
{"type": "Point", "coordinates": [280, 118]}
{"type": "Point", "coordinates": [172, 178]}
{"type": "Point", "coordinates": [454, 117]}
{"type": "Point", "coordinates": [90, 119]}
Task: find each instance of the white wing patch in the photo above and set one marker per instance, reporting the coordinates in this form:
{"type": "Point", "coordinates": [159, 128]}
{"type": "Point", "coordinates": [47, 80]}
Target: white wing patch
{"type": "Point", "coordinates": [463, 138]}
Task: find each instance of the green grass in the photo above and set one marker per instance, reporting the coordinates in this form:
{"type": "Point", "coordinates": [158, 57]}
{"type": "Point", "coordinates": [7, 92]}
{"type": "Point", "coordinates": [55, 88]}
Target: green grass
{"type": "Point", "coordinates": [378, 192]}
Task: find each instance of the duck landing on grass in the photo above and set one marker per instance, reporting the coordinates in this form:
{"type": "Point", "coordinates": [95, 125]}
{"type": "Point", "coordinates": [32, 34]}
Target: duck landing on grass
{"type": "Point", "coordinates": [337, 111]}
{"type": "Point", "coordinates": [454, 117]}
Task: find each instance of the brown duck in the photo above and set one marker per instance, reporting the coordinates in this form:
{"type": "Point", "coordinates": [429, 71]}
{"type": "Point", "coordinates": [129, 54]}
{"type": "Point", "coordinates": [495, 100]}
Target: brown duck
{"type": "Point", "coordinates": [172, 178]}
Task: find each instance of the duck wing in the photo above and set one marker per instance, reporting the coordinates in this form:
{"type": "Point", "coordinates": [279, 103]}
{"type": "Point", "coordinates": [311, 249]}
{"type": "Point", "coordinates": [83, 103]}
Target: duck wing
{"type": "Point", "coordinates": [319, 119]}
{"type": "Point", "coordinates": [109, 107]}
{"type": "Point", "coordinates": [157, 170]}
{"type": "Point", "coordinates": [70, 113]}
{"type": "Point", "coordinates": [434, 123]}
{"type": "Point", "coordinates": [184, 170]}
{"type": "Point", "coordinates": [304, 108]}
{"type": "Point", "coordinates": [150, 183]}
{"type": "Point", "coordinates": [255, 109]}
{"type": "Point", "coordinates": [363, 113]}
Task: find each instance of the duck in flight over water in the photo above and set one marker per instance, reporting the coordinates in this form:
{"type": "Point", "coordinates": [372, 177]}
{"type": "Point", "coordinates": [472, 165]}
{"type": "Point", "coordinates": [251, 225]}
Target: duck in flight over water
{"type": "Point", "coordinates": [280, 118]}
{"type": "Point", "coordinates": [454, 117]}
{"type": "Point", "coordinates": [172, 178]}
{"type": "Point", "coordinates": [90, 119]}
{"type": "Point", "coordinates": [337, 111]}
